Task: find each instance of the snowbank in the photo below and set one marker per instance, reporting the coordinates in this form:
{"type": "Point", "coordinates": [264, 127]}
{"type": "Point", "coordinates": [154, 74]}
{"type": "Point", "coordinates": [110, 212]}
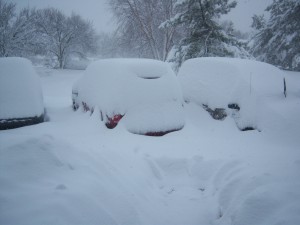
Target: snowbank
{"type": "Point", "coordinates": [20, 90]}
{"type": "Point", "coordinates": [141, 89]}
{"type": "Point", "coordinates": [218, 82]}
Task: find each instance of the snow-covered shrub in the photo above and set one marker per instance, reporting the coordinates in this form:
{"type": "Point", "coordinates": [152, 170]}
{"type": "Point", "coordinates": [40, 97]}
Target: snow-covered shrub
{"type": "Point", "coordinates": [21, 100]}
{"type": "Point", "coordinates": [233, 84]}
{"type": "Point", "coordinates": [143, 93]}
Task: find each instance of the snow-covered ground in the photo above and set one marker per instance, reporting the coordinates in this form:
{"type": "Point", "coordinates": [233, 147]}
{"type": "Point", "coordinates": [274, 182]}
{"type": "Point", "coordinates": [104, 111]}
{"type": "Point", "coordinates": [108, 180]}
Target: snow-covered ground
{"type": "Point", "coordinates": [73, 170]}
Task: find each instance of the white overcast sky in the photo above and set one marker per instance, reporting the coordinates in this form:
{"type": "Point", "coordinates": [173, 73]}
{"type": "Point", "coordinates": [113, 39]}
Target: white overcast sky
{"type": "Point", "coordinates": [242, 14]}
{"type": "Point", "coordinates": [98, 12]}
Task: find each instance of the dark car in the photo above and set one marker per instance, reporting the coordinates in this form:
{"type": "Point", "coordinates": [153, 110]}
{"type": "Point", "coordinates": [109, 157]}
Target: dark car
{"type": "Point", "coordinates": [21, 99]}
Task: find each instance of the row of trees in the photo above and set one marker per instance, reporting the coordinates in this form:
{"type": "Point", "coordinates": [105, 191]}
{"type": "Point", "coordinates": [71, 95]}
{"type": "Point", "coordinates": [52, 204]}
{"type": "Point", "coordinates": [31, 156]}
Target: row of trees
{"type": "Point", "coordinates": [175, 29]}
{"type": "Point", "coordinates": [167, 30]}
{"type": "Point", "coordinates": [178, 30]}
{"type": "Point", "coordinates": [46, 32]}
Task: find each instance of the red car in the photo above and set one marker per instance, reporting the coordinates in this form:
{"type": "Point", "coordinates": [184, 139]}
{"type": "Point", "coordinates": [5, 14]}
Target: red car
{"type": "Point", "coordinates": [144, 94]}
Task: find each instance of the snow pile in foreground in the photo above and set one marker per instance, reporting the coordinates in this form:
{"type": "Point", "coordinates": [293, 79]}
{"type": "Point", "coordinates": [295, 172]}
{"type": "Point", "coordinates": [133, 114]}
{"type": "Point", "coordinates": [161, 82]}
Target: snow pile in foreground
{"type": "Point", "coordinates": [20, 89]}
{"type": "Point", "coordinates": [217, 82]}
{"type": "Point", "coordinates": [249, 197]}
{"type": "Point", "coordinates": [145, 91]}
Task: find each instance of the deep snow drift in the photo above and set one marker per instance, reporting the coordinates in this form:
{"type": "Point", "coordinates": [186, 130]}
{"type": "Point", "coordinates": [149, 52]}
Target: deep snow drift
{"type": "Point", "coordinates": [73, 170]}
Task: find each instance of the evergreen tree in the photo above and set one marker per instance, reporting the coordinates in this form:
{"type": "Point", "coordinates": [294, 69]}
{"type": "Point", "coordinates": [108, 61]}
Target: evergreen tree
{"type": "Point", "coordinates": [258, 22]}
{"type": "Point", "coordinates": [204, 36]}
{"type": "Point", "coordinates": [277, 41]}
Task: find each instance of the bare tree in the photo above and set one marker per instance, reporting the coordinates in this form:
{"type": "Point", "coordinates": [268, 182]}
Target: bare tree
{"type": "Point", "coordinates": [62, 36]}
{"type": "Point", "coordinates": [7, 13]}
{"type": "Point", "coordinates": [16, 30]}
{"type": "Point", "coordinates": [140, 26]}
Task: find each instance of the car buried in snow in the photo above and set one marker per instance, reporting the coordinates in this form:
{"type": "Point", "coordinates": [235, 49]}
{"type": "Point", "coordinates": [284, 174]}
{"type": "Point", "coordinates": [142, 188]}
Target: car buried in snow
{"type": "Point", "coordinates": [144, 94]}
{"type": "Point", "coordinates": [21, 99]}
{"type": "Point", "coordinates": [231, 86]}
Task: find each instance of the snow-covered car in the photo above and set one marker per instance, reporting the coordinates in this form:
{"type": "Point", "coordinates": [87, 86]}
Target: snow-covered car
{"type": "Point", "coordinates": [145, 94]}
{"type": "Point", "coordinates": [21, 99]}
{"type": "Point", "coordinates": [229, 86]}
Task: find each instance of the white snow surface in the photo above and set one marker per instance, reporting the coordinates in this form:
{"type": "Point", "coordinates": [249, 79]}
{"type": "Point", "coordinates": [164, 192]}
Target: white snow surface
{"type": "Point", "coordinates": [20, 89]}
{"type": "Point", "coordinates": [72, 170]}
{"type": "Point", "coordinates": [217, 82]}
{"type": "Point", "coordinates": [146, 91]}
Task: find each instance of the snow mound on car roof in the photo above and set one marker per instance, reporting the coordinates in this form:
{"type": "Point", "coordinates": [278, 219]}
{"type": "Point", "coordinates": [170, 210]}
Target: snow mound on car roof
{"type": "Point", "coordinates": [20, 89]}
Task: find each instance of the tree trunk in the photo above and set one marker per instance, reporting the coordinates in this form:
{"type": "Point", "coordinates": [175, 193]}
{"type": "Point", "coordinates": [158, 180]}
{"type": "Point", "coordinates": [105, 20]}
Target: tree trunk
{"type": "Point", "coordinates": [60, 62]}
